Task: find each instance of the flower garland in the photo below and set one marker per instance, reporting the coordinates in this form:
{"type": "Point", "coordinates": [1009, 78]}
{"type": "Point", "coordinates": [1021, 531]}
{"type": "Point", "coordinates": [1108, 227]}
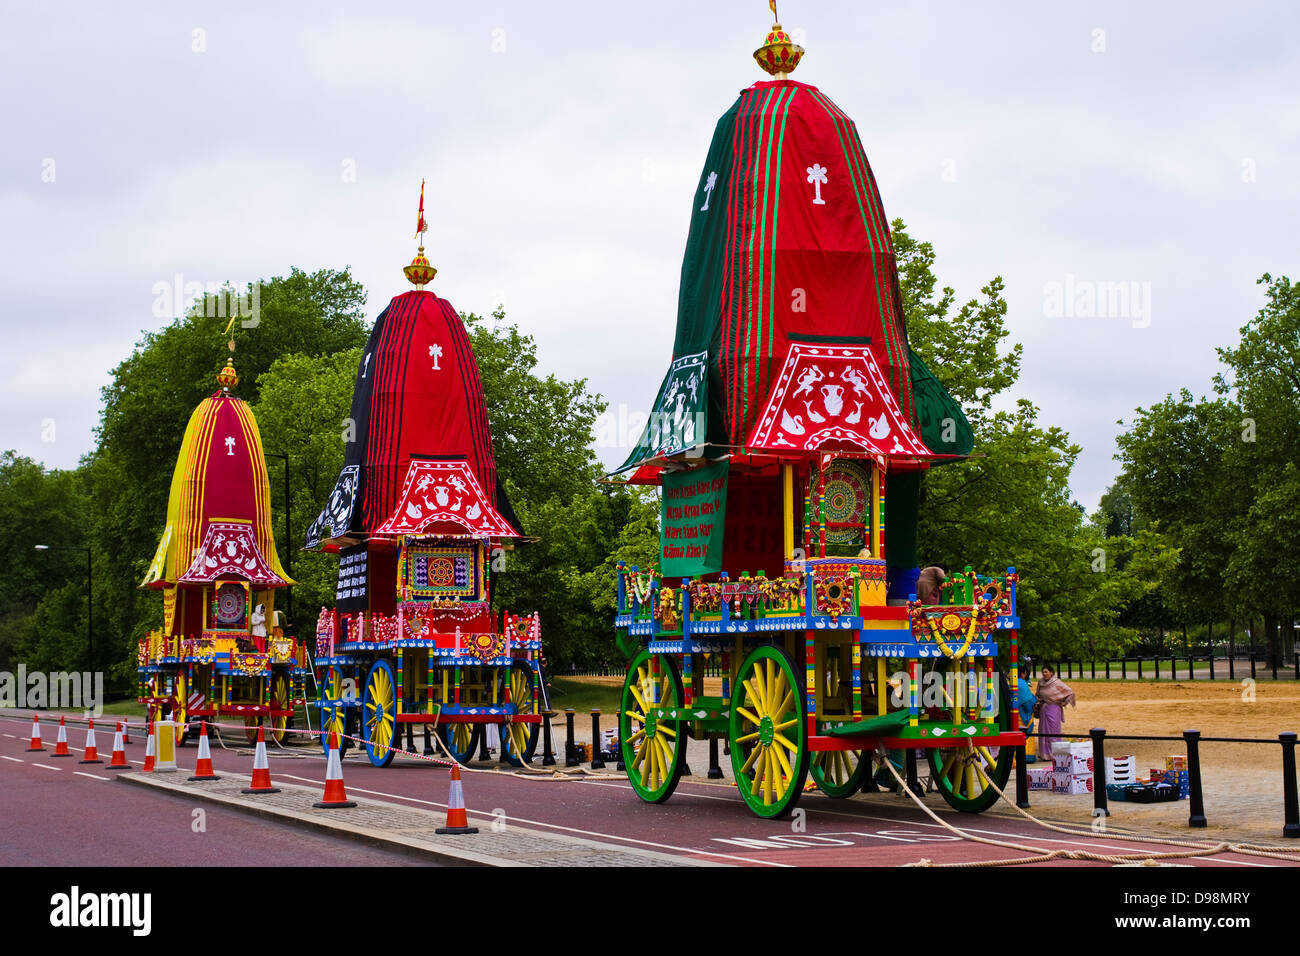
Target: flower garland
{"type": "Point", "coordinates": [833, 594]}
{"type": "Point", "coordinates": [640, 583]}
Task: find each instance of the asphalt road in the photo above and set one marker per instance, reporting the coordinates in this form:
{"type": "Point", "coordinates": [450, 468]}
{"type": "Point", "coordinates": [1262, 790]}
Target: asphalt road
{"type": "Point", "coordinates": [45, 815]}
{"type": "Point", "coordinates": [61, 813]}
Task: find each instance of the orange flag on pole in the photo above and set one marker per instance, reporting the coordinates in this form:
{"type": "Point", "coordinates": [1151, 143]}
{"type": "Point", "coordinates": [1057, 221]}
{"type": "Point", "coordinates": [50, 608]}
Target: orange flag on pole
{"type": "Point", "coordinates": [421, 225]}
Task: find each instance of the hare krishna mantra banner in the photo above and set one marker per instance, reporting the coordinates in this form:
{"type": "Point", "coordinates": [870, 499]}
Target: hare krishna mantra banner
{"type": "Point", "coordinates": [692, 515]}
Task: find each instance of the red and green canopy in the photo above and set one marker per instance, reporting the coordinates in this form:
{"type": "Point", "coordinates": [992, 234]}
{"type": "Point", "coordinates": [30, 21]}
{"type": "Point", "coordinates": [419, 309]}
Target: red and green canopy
{"type": "Point", "coordinates": [788, 245]}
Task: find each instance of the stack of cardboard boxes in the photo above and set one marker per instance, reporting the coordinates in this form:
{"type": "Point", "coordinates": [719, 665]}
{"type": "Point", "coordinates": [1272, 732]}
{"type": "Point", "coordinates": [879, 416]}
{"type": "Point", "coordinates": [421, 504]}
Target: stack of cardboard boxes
{"type": "Point", "coordinates": [1072, 770]}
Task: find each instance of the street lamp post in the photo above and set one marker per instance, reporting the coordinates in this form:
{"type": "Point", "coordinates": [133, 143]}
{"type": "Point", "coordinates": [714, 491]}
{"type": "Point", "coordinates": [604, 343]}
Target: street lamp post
{"type": "Point", "coordinates": [288, 550]}
{"type": "Point", "coordinates": [90, 603]}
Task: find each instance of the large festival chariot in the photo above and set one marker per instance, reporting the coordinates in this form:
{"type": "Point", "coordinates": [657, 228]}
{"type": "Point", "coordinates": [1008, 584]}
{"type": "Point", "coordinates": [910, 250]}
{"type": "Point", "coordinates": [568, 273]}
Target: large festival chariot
{"type": "Point", "coordinates": [794, 418]}
{"type": "Point", "coordinates": [220, 652]}
{"type": "Point", "coordinates": [421, 522]}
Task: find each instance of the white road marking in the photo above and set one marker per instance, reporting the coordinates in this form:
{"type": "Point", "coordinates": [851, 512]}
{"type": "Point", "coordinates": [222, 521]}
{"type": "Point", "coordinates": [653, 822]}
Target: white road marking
{"type": "Point", "coordinates": [11, 736]}
{"type": "Point", "coordinates": [93, 776]}
{"type": "Point", "coordinates": [552, 826]}
{"type": "Point", "coordinates": [46, 766]}
{"type": "Point", "coordinates": [14, 759]}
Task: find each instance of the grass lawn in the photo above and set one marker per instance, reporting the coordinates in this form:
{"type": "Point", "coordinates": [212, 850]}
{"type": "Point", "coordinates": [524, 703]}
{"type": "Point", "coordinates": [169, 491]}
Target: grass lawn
{"type": "Point", "coordinates": [125, 708]}
{"type": "Point", "coordinates": [583, 694]}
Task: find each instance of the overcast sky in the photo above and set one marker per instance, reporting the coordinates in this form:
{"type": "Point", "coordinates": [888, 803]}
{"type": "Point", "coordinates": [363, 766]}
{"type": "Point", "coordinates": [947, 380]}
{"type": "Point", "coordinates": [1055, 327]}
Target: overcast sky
{"type": "Point", "coordinates": [1150, 144]}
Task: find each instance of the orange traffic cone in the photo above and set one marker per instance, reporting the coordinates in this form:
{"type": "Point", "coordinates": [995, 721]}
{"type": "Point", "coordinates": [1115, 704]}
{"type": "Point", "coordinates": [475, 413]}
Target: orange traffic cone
{"type": "Point", "coordinates": [261, 769]}
{"type": "Point", "coordinates": [61, 745]}
{"type": "Point", "coordinates": [203, 769]}
{"type": "Point", "coordinates": [335, 796]}
{"type": "Point", "coordinates": [92, 755]}
{"type": "Point", "coordinates": [119, 751]}
{"type": "Point", "coordinates": [148, 749]}
{"type": "Point", "coordinates": [36, 734]}
{"type": "Point", "coordinates": [126, 732]}
{"type": "Point", "coordinates": [457, 821]}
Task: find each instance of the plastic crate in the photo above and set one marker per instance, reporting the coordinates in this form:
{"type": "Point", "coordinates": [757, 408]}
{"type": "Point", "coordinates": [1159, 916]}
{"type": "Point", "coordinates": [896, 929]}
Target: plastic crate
{"type": "Point", "coordinates": [1148, 793]}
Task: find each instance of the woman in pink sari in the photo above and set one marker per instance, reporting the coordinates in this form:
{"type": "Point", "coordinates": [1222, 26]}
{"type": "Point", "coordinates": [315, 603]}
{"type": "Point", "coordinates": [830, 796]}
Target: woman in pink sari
{"type": "Point", "coordinates": [1053, 694]}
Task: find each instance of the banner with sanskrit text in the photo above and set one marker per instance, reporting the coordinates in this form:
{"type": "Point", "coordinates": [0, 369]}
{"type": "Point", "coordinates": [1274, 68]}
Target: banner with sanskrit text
{"type": "Point", "coordinates": [692, 516]}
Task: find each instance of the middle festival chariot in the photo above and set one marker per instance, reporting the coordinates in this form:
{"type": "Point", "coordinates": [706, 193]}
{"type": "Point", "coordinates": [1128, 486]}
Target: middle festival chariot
{"type": "Point", "coordinates": [421, 522]}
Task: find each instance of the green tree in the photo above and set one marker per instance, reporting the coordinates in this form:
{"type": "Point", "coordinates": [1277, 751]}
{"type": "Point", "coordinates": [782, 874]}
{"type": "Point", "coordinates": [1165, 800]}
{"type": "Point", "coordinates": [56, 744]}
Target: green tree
{"type": "Point", "coordinates": [39, 507]}
{"type": "Point", "coordinates": [542, 429]}
{"type": "Point", "coordinates": [1011, 504]}
{"type": "Point", "coordinates": [302, 410]}
{"type": "Point", "coordinates": [148, 403]}
{"type": "Point", "coordinates": [1262, 372]}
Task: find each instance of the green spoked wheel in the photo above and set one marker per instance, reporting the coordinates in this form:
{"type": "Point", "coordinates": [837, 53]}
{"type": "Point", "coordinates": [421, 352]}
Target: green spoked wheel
{"type": "Point", "coordinates": [652, 747]}
{"type": "Point", "coordinates": [461, 740]}
{"type": "Point", "coordinates": [519, 740]}
{"type": "Point", "coordinates": [838, 773]}
{"type": "Point", "coordinates": [963, 774]}
{"type": "Point", "coordinates": [769, 744]}
{"type": "Point", "coordinates": [379, 714]}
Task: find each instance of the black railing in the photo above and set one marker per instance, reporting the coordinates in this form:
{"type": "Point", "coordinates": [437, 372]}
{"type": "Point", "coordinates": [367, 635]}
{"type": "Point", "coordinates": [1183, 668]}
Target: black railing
{"type": "Point", "coordinates": [1192, 739]}
{"type": "Point", "coordinates": [1170, 666]}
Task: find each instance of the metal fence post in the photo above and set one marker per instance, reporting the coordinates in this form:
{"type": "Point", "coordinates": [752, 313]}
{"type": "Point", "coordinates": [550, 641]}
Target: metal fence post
{"type": "Point", "coordinates": [1174, 676]}
{"type": "Point", "coordinates": [910, 761]}
{"type": "Point", "coordinates": [1252, 663]}
{"type": "Point", "coordinates": [1139, 668]}
{"type": "Point", "coordinates": [570, 748]}
{"type": "Point", "coordinates": [1022, 779]}
{"type": "Point", "coordinates": [1291, 828]}
{"type": "Point", "coordinates": [1123, 668]}
{"type": "Point", "coordinates": [1108, 668]}
{"type": "Point", "coordinates": [596, 762]}
{"type": "Point", "coordinates": [1211, 663]}
{"type": "Point", "coordinates": [548, 752]}
{"type": "Point", "coordinates": [1093, 669]}
{"type": "Point", "coordinates": [1196, 814]}
{"type": "Point", "coordinates": [715, 770]}
{"type": "Point", "coordinates": [1099, 760]}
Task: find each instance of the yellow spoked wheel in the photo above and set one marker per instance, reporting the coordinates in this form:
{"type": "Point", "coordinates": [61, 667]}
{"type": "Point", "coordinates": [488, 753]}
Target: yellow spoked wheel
{"type": "Point", "coordinates": [769, 745]}
{"type": "Point", "coordinates": [838, 773]}
{"type": "Point", "coordinates": [180, 708]}
{"type": "Point", "coordinates": [379, 714]}
{"type": "Point", "coordinates": [333, 713]}
{"type": "Point", "coordinates": [519, 740]}
{"type": "Point", "coordinates": [965, 774]}
{"type": "Point", "coordinates": [281, 701]}
{"type": "Point", "coordinates": [461, 740]}
{"type": "Point", "coordinates": [651, 744]}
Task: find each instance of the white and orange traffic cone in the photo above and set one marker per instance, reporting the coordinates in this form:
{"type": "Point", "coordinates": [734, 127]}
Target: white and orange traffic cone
{"type": "Point", "coordinates": [335, 797]}
{"type": "Point", "coordinates": [92, 755]}
{"type": "Point", "coordinates": [261, 782]}
{"type": "Point", "coordinates": [203, 769]}
{"type": "Point", "coordinates": [457, 821]}
{"type": "Point", "coordinates": [61, 745]}
{"type": "Point", "coordinates": [119, 751]}
{"type": "Point", "coordinates": [149, 754]}
{"type": "Point", "coordinates": [126, 732]}
{"type": "Point", "coordinates": [36, 735]}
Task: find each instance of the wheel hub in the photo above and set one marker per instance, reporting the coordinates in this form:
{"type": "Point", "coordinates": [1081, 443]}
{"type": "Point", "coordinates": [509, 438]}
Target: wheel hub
{"type": "Point", "coordinates": [766, 731]}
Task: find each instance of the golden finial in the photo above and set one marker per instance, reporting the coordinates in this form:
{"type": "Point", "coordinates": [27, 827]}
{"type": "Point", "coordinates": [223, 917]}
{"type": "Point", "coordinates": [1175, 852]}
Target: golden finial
{"type": "Point", "coordinates": [780, 54]}
{"type": "Point", "coordinates": [227, 378]}
{"type": "Point", "coordinates": [419, 273]}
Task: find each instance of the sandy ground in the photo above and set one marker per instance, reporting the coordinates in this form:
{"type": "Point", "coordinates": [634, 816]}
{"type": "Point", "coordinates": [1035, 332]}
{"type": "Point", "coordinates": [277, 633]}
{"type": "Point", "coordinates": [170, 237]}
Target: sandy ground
{"type": "Point", "coordinates": [1241, 783]}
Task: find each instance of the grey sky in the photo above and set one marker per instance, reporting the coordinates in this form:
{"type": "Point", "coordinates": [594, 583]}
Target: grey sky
{"type": "Point", "coordinates": [562, 145]}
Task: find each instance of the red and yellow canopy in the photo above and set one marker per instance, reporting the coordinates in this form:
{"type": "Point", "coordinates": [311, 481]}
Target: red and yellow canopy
{"type": "Point", "coordinates": [219, 511]}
